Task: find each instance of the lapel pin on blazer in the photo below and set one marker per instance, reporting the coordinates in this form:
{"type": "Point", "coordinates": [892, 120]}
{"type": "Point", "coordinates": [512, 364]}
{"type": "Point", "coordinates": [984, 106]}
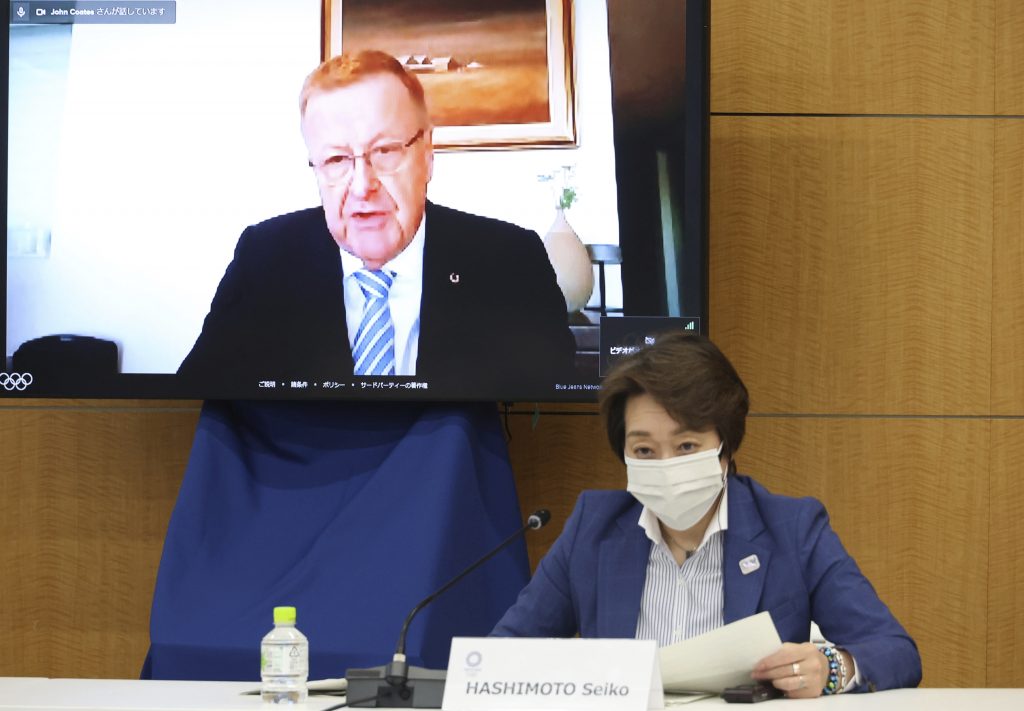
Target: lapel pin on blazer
{"type": "Point", "coordinates": [749, 564]}
{"type": "Point", "coordinates": [453, 278]}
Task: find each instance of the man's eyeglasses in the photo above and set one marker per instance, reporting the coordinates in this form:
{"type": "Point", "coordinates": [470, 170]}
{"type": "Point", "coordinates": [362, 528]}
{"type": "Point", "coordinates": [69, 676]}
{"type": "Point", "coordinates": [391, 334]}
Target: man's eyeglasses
{"type": "Point", "coordinates": [385, 159]}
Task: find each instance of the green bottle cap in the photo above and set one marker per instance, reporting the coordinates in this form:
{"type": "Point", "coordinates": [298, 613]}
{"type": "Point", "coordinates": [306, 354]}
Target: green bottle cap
{"type": "Point", "coordinates": [284, 615]}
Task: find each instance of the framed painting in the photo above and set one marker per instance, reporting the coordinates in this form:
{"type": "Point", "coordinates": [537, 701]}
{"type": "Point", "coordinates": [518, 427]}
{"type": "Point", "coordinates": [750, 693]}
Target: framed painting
{"type": "Point", "coordinates": [497, 74]}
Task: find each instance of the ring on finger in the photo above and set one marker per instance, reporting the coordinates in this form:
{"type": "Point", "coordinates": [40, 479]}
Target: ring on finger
{"type": "Point", "coordinates": [796, 668]}
{"type": "Point", "coordinates": [803, 682]}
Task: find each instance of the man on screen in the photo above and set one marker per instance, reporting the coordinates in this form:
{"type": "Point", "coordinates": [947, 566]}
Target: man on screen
{"type": "Point", "coordinates": [380, 281]}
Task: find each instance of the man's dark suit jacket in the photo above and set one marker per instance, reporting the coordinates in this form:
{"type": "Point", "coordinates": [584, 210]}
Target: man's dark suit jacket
{"type": "Point", "coordinates": [493, 322]}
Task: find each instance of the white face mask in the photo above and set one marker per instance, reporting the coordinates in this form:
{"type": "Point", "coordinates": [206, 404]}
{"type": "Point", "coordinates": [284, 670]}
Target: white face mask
{"type": "Point", "coordinates": [679, 490]}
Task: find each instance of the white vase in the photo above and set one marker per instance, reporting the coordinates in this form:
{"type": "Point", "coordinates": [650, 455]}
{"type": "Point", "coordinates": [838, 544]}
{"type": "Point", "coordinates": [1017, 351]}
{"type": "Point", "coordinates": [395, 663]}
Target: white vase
{"type": "Point", "coordinates": [571, 263]}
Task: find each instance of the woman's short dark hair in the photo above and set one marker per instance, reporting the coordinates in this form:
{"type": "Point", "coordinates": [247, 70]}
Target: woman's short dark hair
{"type": "Point", "coordinates": [687, 375]}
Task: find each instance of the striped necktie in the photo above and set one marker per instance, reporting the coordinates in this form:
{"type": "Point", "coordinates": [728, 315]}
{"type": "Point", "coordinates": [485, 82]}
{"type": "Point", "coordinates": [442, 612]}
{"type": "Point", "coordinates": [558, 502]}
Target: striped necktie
{"type": "Point", "coordinates": [374, 350]}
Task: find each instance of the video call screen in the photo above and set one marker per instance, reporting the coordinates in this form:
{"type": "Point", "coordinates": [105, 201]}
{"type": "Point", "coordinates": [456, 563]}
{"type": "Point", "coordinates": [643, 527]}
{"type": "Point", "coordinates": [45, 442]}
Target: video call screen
{"type": "Point", "coordinates": [168, 235]}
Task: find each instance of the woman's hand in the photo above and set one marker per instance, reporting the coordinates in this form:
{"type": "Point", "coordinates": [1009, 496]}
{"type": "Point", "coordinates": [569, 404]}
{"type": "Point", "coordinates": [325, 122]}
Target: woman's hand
{"type": "Point", "coordinates": [798, 669]}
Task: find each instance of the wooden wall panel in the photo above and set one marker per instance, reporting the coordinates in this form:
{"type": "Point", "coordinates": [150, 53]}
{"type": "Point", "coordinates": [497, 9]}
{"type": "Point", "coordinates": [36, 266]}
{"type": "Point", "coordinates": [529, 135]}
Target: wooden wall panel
{"type": "Point", "coordinates": [556, 460]}
{"type": "Point", "coordinates": [909, 499]}
{"type": "Point", "coordinates": [1008, 270]}
{"type": "Point", "coordinates": [1009, 57]}
{"type": "Point", "coordinates": [1006, 573]}
{"type": "Point", "coordinates": [851, 262]}
{"type": "Point", "coordinates": [87, 493]}
{"type": "Point", "coordinates": [853, 56]}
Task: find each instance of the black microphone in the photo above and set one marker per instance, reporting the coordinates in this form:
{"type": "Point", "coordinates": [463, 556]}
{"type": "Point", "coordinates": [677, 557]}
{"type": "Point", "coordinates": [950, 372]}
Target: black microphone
{"type": "Point", "coordinates": [403, 682]}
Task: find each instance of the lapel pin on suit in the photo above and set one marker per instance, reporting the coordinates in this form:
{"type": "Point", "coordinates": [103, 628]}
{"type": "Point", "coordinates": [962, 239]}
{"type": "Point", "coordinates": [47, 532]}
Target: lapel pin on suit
{"type": "Point", "coordinates": [453, 278]}
{"type": "Point", "coordinates": [749, 564]}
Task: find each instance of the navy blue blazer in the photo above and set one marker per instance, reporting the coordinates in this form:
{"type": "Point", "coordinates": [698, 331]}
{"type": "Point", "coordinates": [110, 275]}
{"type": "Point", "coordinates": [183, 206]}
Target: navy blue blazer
{"type": "Point", "coordinates": [592, 579]}
{"type": "Point", "coordinates": [493, 322]}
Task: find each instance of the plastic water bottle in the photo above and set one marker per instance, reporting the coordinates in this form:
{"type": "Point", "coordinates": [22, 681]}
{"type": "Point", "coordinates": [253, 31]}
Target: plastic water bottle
{"type": "Point", "coordinates": [284, 660]}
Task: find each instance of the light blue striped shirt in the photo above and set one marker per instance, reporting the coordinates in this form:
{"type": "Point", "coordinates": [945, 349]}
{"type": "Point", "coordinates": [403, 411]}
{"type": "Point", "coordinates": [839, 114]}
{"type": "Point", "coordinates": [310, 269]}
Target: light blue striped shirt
{"type": "Point", "coordinates": [683, 601]}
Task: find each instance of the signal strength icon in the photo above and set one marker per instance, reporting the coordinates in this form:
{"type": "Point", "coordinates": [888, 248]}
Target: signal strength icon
{"type": "Point", "coordinates": [691, 326]}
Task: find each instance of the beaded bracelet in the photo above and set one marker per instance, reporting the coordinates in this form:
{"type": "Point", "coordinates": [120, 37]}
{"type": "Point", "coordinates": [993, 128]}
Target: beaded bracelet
{"type": "Point", "coordinates": [836, 671]}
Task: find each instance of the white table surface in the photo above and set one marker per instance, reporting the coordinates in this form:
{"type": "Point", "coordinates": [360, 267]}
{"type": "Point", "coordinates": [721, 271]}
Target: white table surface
{"type": "Point", "coordinates": [899, 700]}
{"type": "Point", "coordinates": [38, 694]}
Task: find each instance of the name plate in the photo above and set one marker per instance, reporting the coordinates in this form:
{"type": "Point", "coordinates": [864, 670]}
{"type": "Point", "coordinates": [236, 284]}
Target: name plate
{"type": "Point", "coordinates": [492, 673]}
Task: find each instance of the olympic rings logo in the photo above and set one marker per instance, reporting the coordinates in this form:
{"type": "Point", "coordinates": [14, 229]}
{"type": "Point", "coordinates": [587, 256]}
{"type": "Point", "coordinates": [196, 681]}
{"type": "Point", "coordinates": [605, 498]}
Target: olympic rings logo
{"type": "Point", "coordinates": [15, 381]}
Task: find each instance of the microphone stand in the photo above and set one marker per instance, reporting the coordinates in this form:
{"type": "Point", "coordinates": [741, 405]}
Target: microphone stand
{"type": "Point", "coordinates": [403, 681]}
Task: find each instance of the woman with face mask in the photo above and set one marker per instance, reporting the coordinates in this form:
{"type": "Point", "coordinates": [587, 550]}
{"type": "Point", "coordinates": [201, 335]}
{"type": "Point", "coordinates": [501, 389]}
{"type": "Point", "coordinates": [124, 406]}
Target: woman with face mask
{"type": "Point", "coordinates": [692, 545]}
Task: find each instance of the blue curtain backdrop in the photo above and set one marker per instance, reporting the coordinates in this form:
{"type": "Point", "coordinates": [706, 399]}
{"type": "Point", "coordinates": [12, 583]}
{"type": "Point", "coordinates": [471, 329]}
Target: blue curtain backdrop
{"type": "Point", "coordinates": [352, 513]}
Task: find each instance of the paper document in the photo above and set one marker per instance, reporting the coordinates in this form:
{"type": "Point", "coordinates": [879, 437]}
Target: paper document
{"type": "Point", "coordinates": [315, 686]}
{"type": "Point", "coordinates": [721, 658]}
{"type": "Point", "coordinates": [688, 697]}
{"type": "Point", "coordinates": [327, 684]}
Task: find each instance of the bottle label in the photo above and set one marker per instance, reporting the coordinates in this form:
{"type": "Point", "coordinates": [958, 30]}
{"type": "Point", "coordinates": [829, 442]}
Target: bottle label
{"type": "Point", "coordinates": [284, 659]}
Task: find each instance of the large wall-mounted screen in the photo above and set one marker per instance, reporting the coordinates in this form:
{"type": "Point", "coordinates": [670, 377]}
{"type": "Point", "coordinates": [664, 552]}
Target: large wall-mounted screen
{"type": "Point", "coordinates": [177, 225]}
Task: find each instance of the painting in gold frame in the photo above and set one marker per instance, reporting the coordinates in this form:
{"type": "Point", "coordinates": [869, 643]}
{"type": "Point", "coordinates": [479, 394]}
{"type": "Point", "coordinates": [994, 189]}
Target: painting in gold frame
{"type": "Point", "coordinates": [497, 74]}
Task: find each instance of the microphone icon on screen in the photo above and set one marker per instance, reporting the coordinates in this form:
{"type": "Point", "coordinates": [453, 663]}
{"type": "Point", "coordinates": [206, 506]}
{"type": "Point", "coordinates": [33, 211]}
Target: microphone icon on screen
{"type": "Point", "coordinates": [21, 11]}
